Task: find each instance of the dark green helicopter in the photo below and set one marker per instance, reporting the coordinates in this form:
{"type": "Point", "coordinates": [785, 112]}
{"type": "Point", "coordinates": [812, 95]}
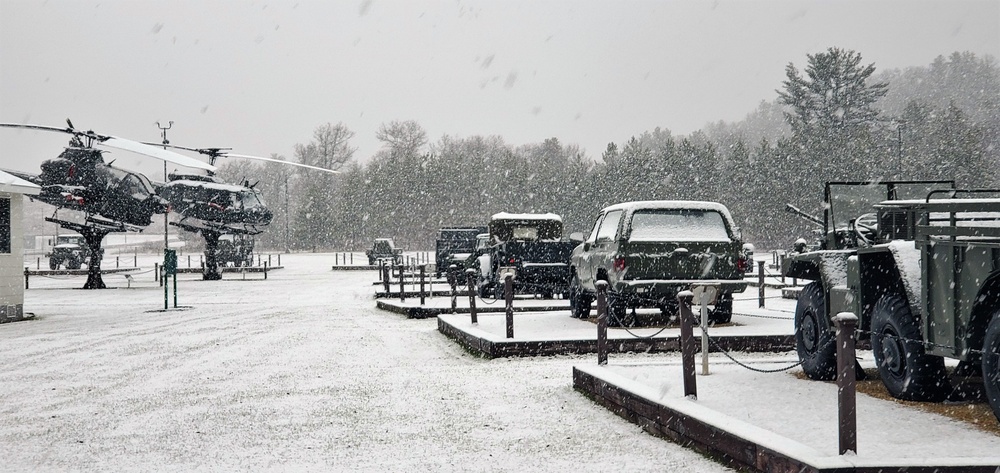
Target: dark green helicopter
{"type": "Point", "coordinates": [102, 198]}
{"type": "Point", "coordinates": [205, 204]}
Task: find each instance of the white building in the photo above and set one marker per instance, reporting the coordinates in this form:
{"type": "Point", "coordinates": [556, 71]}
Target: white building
{"type": "Point", "coordinates": [12, 191]}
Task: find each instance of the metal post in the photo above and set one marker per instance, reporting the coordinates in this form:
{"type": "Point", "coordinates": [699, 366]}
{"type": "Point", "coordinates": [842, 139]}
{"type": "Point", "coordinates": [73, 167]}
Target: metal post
{"type": "Point", "coordinates": [175, 289]}
{"type": "Point", "coordinates": [166, 290]}
{"type": "Point", "coordinates": [846, 382]}
{"type": "Point", "coordinates": [508, 294]}
{"type": "Point", "coordinates": [602, 322]}
{"type": "Point", "coordinates": [38, 263]}
{"type": "Point", "coordinates": [268, 261]}
{"type": "Point", "coordinates": [265, 269]}
{"type": "Point", "coordinates": [156, 271]}
{"type": "Point", "coordinates": [117, 262]}
{"type": "Point", "coordinates": [135, 261]}
{"type": "Point", "coordinates": [760, 283]}
{"type": "Point", "coordinates": [26, 277]}
{"type": "Point", "coordinates": [336, 259]}
{"type": "Point", "coordinates": [687, 343]}
{"type": "Point", "coordinates": [279, 259]}
{"type": "Point", "coordinates": [781, 265]}
{"type": "Point", "coordinates": [471, 277]}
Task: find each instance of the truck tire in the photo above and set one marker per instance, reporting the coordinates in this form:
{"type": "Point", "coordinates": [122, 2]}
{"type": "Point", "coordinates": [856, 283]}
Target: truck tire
{"type": "Point", "coordinates": [579, 301]}
{"type": "Point", "coordinates": [53, 264]}
{"type": "Point", "coordinates": [723, 312]}
{"type": "Point", "coordinates": [906, 370]}
{"type": "Point", "coordinates": [73, 264]}
{"type": "Point", "coordinates": [991, 364]}
{"type": "Point", "coordinates": [813, 337]}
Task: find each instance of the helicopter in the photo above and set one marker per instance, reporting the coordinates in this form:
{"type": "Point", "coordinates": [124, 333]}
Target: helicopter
{"type": "Point", "coordinates": [110, 199]}
{"type": "Point", "coordinates": [207, 205]}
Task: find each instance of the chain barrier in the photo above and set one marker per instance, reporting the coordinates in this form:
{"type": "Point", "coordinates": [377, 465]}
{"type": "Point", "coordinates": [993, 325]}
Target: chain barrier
{"type": "Point", "coordinates": [921, 342]}
{"type": "Point", "coordinates": [759, 370]}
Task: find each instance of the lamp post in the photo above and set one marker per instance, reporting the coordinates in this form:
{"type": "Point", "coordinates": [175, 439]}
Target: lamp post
{"type": "Point", "coordinates": [166, 215]}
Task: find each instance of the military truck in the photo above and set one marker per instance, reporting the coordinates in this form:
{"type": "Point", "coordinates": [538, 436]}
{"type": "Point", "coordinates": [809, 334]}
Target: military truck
{"type": "Point", "coordinates": [923, 277]}
{"type": "Point", "coordinates": [69, 250]}
{"type": "Point", "coordinates": [455, 246]}
{"type": "Point", "coordinates": [649, 251]}
{"type": "Point", "coordinates": [383, 249]}
{"type": "Point", "coordinates": [532, 247]}
{"type": "Point", "coordinates": [235, 250]}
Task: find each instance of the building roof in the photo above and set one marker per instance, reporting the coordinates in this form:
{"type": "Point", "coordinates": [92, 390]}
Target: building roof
{"type": "Point", "coordinates": [15, 185]}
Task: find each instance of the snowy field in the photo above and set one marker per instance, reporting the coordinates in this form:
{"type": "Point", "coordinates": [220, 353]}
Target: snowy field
{"type": "Point", "coordinates": [296, 373]}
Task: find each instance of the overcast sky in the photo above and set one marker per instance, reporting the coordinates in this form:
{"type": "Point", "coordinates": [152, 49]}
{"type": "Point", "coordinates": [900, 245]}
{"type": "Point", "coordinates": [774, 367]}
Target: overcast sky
{"type": "Point", "coordinates": [259, 76]}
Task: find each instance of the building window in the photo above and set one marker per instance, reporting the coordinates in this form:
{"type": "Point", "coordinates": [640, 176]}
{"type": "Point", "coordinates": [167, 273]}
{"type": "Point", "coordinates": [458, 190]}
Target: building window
{"type": "Point", "coordinates": [4, 225]}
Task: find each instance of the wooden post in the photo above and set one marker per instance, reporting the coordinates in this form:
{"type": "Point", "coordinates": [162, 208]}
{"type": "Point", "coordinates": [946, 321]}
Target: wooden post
{"type": "Point", "coordinates": [471, 277]}
{"type": "Point", "coordinates": [26, 277]}
{"type": "Point", "coordinates": [453, 282]}
{"type": "Point", "coordinates": [265, 268]}
{"type": "Point", "coordinates": [117, 262]}
{"type": "Point", "coordinates": [684, 299]}
{"type": "Point", "coordinates": [279, 259]}
{"type": "Point", "coordinates": [423, 272]}
{"type": "Point", "coordinates": [760, 283]}
{"type": "Point", "coordinates": [384, 271]}
{"type": "Point", "coordinates": [846, 382]}
{"type": "Point", "coordinates": [38, 263]}
{"type": "Point", "coordinates": [402, 288]}
{"type": "Point", "coordinates": [508, 294]}
{"type": "Point", "coordinates": [602, 322]}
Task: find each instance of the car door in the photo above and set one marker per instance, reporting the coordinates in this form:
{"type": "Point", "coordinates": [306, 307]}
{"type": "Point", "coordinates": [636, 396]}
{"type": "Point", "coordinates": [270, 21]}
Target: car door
{"type": "Point", "coordinates": [582, 256]}
{"type": "Point", "coordinates": [605, 244]}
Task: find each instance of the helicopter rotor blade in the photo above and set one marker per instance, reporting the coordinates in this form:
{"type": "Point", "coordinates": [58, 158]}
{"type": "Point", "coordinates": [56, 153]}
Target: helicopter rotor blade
{"type": "Point", "coordinates": [162, 154]}
{"type": "Point", "coordinates": [272, 160]}
{"type": "Point", "coordinates": [121, 143]}
{"type": "Point", "coordinates": [205, 151]}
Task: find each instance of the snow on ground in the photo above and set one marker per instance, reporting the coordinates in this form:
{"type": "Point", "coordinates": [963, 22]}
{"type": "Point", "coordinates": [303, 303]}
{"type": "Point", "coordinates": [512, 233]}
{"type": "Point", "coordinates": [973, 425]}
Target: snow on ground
{"type": "Point", "coordinates": [299, 372]}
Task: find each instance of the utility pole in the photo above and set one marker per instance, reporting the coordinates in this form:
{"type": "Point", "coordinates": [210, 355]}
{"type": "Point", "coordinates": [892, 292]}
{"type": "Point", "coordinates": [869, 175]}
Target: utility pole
{"type": "Point", "coordinates": [166, 215]}
{"type": "Point", "coordinates": [287, 249]}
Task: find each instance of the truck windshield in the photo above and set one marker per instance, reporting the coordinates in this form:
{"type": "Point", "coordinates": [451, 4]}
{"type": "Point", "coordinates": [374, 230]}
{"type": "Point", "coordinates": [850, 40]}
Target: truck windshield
{"type": "Point", "coordinates": [678, 225]}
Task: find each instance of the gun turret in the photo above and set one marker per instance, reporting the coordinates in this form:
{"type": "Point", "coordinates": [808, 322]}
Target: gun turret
{"type": "Point", "coordinates": [795, 210]}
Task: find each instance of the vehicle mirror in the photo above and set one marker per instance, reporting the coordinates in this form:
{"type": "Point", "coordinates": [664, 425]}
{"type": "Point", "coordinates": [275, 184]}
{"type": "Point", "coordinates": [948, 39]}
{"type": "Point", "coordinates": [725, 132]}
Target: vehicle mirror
{"type": "Point", "coordinates": [737, 233]}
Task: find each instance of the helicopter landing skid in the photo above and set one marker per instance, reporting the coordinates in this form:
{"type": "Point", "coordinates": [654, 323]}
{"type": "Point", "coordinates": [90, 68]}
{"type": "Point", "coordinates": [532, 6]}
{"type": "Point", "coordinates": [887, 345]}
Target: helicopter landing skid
{"type": "Point", "coordinates": [197, 225]}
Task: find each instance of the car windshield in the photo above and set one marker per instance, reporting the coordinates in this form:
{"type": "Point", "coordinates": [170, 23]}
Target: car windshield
{"type": "Point", "coordinates": [678, 225]}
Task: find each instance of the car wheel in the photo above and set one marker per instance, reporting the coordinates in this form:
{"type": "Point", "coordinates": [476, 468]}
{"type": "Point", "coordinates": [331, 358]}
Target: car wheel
{"type": "Point", "coordinates": [579, 301]}
{"type": "Point", "coordinates": [991, 364]}
{"type": "Point", "coordinates": [906, 370]}
{"type": "Point", "coordinates": [723, 312]}
{"type": "Point", "coordinates": [813, 337]}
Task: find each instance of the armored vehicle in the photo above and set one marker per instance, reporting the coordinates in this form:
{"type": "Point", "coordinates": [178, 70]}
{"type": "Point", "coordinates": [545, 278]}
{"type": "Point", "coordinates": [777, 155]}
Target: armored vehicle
{"type": "Point", "coordinates": [70, 251]}
{"type": "Point", "coordinates": [530, 245]}
{"type": "Point", "coordinates": [236, 250]}
{"type": "Point", "coordinates": [383, 249]}
{"type": "Point", "coordinates": [649, 251]}
{"type": "Point", "coordinates": [455, 246]}
{"type": "Point", "coordinates": [924, 281]}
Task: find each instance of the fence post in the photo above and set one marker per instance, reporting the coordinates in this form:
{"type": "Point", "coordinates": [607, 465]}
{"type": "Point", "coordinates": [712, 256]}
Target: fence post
{"type": "Point", "coordinates": [336, 259]}
{"type": "Point", "coordinates": [471, 277]}
{"type": "Point", "coordinates": [760, 283]}
{"type": "Point", "coordinates": [684, 299]}
{"type": "Point", "coordinates": [508, 295]}
{"type": "Point", "coordinates": [265, 268]}
{"type": "Point", "coordinates": [846, 382]}
{"type": "Point", "coordinates": [602, 322]}
{"type": "Point", "coordinates": [268, 259]}
{"type": "Point", "coordinates": [279, 259]}
{"type": "Point", "coordinates": [384, 271]}
{"type": "Point", "coordinates": [402, 287]}
{"type": "Point", "coordinates": [423, 272]}
{"type": "Point", "coordinates": [38, 263]}
{"type": "Point", "coordinates": [453, 282]}
{"type": "Point", "coordinates": [156, 271]}
{"type": "Point", "coordinates": [26, 277]}
{"type": "Point", "coordinates": [117, 262]}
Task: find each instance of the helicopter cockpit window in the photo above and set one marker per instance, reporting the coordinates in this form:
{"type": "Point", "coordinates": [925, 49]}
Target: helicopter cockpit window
{"type": "Point", "coordinates": [132, 186]}
{"type": "Point", "coordinates": [251, 200]}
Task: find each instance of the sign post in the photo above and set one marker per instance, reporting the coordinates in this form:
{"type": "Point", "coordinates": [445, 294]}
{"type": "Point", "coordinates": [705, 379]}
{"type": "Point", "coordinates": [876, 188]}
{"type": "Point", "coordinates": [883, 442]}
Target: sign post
{"type": "Point", "coordinates": [169, 269]}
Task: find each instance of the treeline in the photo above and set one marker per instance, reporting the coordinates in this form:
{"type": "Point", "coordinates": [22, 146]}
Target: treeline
{"type": "Point", "coordinates": [834, 119]}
